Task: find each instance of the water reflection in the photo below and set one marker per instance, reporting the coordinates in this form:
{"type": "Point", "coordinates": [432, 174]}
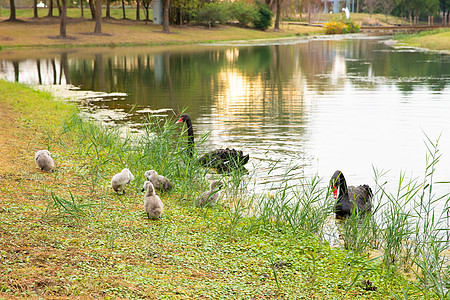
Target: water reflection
{"type": "Point", "coordinates": [321, 105]}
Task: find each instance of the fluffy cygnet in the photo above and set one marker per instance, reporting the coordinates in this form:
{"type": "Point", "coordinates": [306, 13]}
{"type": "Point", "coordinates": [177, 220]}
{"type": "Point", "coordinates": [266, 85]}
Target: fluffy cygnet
{"type": "Point", "coordinates": [44, 160]}
{"type": "Point", "coordinates": [120, 180]}
{"type": "Point", "coordinates": [159, 182]}
{"type": "Point", "coordinates": [210, 197]}
{"type": "Point", "coordinates": [152, 203]}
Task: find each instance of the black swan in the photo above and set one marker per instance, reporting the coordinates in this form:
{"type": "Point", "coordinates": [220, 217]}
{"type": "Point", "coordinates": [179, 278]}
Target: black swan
{"type": "Point", "coordinates": [348, 196]}
{"type": "Point", "coordinates": [221, 159]}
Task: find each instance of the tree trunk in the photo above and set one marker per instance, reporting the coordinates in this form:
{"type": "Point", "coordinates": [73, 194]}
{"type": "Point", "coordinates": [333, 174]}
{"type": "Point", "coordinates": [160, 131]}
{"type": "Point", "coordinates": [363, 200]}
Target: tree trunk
{"type": "Point", "coordinates": [35, 9]}
{"type": "Point", "coordinates": [309, 14]}
{"type": "Point", "coordinates": [410, 16]}
{"type": "Point", "coordinates": [82, 12]}
{"type": "Point", "coordinates": [138, 17]}
{"type": "Point", "coordinates": [357, 6]}
{"type": "Point", "coordinates": [123, 9]}
{"type": "Point", "coordinates": [166, 16]}
{"type": "Point", "coordinates": [277, 18]}
{"type": "Point", "coordinates": [12, 12]}
{"type": "Point", "coordinates": [108, 13]}
{"type": "Point", "coordinates": [50, 9]}
{"type": "Point", "coordinates": [146, 12]}
{"type": "Point", "coordinates": [92, 8]}
{"type": "Point", "coordinates": [98, 17]}
{"type": "Point", "coordinates": [59, 7]}
{"type": "Point", "coordinates": [62, 17]}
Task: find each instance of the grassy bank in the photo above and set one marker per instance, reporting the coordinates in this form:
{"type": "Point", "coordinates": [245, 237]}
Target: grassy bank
{"type": "Point", "coordinates": [438, 40]}
{"type": "Point", "coordinates": [43, 32]}
{"type": "Point", "coordinates": [66, 234]}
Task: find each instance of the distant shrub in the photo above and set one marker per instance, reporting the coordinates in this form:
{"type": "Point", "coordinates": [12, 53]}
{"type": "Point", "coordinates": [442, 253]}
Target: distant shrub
{"type": "Point", "coordinates": [212, 13]}
{"type": "Point", "coordinates": [341, 26]}
{"type": "Point", "coordinates": [264, 16]}
{"type": "Point", "coordinates": [243, 12]}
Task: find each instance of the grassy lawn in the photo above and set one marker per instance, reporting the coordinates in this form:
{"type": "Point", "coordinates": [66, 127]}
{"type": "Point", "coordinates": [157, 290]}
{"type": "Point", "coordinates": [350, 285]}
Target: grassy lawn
{"type": "Point", "coordinates": [66, 234]}
{"type": "Point", "coordinates": [435, 40]}
{"type": "Point", "coordinates": [43, 32]}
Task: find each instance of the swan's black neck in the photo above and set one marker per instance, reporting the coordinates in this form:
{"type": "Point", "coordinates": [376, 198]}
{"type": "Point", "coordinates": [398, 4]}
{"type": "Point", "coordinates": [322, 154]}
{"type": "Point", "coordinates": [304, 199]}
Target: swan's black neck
{"type": "Point", "coordinates": [338, 180]}
{"type": "Point", "coordinates": [190, 131]}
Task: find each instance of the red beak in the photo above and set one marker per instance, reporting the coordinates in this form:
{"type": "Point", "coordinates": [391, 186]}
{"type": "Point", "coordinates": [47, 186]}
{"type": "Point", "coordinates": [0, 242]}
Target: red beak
{"type": "Point", "coordinates": [180, 120]}
{"type": "Point", "coordinates": [335, 192]}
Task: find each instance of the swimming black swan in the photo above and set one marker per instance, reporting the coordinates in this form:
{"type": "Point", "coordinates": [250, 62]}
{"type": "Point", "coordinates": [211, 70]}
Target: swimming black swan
{"type": "Point", "coordinates": [221, 159]}
{"type": "Point", "coordinates": [347, 197]}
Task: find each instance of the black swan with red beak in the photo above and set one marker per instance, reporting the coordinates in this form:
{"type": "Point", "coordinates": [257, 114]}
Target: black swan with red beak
{"type": "Point", "coordinates": [349, 196]}
{"type": "Point", "coordinates": [222, 159]}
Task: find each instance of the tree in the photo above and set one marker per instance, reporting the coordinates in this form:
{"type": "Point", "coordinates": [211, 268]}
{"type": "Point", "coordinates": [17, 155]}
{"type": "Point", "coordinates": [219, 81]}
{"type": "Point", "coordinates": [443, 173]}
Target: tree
{"type": "Point", "coordinates": [63, 19]}
{"type": "Point", "coordinates": [12, 11]}
{"type": "Point", "coordinates": [138, 17]}
{"type": "Point", "coordinates": [59, 7]}
{"type": "Point", "coordinates": [92, 8]}
{"type": "Point", "coordinates": [35, 9]}
{"type": "Point", "coordinates": [50, 9]}
{"type": "Point", "coordinates": [370, 5]}
{"type": "Point", "coordinates": [445, 7]}
{"type": "Point", "coordinates": [311, 5]}
{"type": "Point", "coordinates": [108, 5]}
{"type": "Point", "coordinates": [98, 17]}
{"type": "Point", "coordinates": [166, 16]}
{"type": "Point", "coordinates": [278, 15]}
{"type": "Point", "coordinates": [123, 10]}
{"type": "Point", "coordinates": [146, 6]}
{"type": "Point", "coordinates": [387, 6]}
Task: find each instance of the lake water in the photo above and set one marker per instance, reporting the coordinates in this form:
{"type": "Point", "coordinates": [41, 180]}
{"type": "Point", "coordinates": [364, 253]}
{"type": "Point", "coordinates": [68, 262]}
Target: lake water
{"type": "Point", "coordinates": [313, 106]}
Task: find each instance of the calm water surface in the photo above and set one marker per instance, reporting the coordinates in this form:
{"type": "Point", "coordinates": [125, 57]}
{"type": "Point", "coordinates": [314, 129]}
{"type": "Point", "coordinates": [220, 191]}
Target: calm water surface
{"type": "Point", "coordinates": [313, 106]}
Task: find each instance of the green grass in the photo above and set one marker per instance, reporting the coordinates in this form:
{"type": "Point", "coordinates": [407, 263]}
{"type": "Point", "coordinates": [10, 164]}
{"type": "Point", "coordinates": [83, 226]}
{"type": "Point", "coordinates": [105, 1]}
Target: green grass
{"type": "Point", "coordinates": [68, 235]}
{"type": "Point", "coordinates": [434, 39]}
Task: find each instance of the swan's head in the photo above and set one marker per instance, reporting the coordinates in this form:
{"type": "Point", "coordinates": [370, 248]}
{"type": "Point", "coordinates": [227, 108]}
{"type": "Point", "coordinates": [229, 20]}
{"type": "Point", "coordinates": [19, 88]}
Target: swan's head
{"type": "Point", "coordinates": [183, 118]}
{"type": "Point", "coordinates": [150, 173]}
{"type": "Point", "coordinates": [148, 186]}
{"type": "Point", "coordinates": [335, 182]}
{"type": "Point", "coordinates": [42, 152]}
{"type": "Point", "coordinates": [128, 174]}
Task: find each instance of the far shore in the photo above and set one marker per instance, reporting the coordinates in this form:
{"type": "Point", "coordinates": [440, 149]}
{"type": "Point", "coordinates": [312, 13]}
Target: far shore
{"type": "Point", "coordinates": [43, 33]}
